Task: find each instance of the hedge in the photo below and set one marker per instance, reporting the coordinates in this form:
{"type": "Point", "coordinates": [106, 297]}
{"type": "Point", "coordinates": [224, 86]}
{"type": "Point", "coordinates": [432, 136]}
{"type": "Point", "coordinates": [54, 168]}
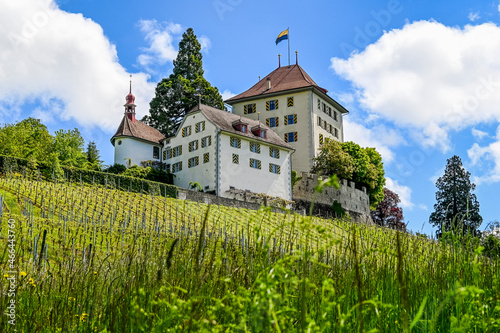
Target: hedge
{"type": "Point", "coordinates": [132, 184]}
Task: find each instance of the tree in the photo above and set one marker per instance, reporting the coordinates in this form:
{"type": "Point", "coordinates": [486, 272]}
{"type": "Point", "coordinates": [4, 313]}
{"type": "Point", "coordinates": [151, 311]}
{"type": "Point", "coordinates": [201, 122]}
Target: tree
{"type": "Point", "coordinates": [93, 157]}
{"type": "Point", "coordinates": [350, 161]}
{"type": "Point", "coordinates": [457, 208]}
{"type": "Point", "coordinates": [68, 145]}
{"type": "Point", "coordinates": [179, 93]}
{"type": "Point", "coordinates": [333, 160]}
{"type": "Point", "coordinates": [28, 138]}
{"type": "Point", "coordinates": [388, 214]}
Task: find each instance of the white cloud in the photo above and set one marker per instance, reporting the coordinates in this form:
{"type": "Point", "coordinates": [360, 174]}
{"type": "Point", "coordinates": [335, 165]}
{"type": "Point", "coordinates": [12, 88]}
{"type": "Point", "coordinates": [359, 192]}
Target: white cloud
{"type": "Point", "coordinates": [429, 78]}
{"type": "Point", "coordinates": [478, 134]}
{"type": "Point", "coordinates": [499, 6]}
{"type": "Point", "coordinates": [489, 155]}
{"type": "Point", "coordinates": [473, 16]}
{"type": "Point", "coordinates": [64, 63]}
{"type": "Point", "coordinates": [205, 43]}
{"type": "Point", "coordinates": [403, 191]}
{"type": "Point", "coordinates": [160, 37]}
{"type": "Point", "coordinates": [378, 136]}
{"type": "Point", "coordinates": [226, 94]}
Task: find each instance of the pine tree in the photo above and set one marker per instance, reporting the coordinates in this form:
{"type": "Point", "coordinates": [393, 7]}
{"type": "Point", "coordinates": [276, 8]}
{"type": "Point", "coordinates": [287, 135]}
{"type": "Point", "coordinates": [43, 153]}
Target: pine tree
{"type": "Point", "coordinates": [179, 93]}
{"type": "Point", "coordinates": [93, 157]}
{"type": "Point", "coordinates": [457, 208]}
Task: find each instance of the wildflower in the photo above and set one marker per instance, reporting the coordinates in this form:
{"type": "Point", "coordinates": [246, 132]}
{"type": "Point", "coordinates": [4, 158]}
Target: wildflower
{"type": "Point", "coordinates": [95, 273]}
{"type": "Point", "coordinates": [76, 315]}
{"type": "Point", "coordinates": [23, 274]}
{"type": "Point", "coordinates": [6, 275]}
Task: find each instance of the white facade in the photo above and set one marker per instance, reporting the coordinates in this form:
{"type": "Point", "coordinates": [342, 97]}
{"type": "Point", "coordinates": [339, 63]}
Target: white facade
{"type": "Point", "coordinates": [134, 149]}
{"type": "Point", "coordinates": [220, 170]}
{"type": "Point", "coordinates": [311, 123]}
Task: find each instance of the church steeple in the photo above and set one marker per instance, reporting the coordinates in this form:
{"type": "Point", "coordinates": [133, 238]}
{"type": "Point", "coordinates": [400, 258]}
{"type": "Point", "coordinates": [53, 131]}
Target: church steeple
{"type": "Point", "coordinates": [130, 106]}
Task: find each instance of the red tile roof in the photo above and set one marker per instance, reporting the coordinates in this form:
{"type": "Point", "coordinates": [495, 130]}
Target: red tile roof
{"type": "Point", "coordinates": [282, 78]}
{"type": "Point", "coordinates": [224, 120]}
{"type": "Point", "coordinates": [137, 129]}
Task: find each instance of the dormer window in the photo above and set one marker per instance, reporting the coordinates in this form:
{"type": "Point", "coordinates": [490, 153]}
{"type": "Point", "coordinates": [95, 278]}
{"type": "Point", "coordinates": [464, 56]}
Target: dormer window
{"type": "Point", "coordinates": [263, 134]}
{"type": "Point", "coordinates": [259, 131]}
{"type": "Point", "coordinates": [240, 125]}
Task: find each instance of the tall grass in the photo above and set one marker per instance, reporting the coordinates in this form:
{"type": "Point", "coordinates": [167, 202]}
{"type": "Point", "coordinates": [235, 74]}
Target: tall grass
{"type": "Point", "coordinates": [98, 259]}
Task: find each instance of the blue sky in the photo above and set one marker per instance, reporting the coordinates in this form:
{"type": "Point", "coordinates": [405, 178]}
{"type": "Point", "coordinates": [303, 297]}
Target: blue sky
{"type": "Point", "coordinates": [421, 78]}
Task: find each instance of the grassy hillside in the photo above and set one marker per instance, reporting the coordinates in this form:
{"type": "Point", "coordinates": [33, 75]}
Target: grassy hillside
{"type": "Point", "coordinates": [95, 259]}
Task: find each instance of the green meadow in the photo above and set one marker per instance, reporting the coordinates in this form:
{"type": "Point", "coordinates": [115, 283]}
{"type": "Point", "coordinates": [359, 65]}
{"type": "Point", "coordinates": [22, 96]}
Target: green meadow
{"type": "Point", "coordinates": [94, 258]}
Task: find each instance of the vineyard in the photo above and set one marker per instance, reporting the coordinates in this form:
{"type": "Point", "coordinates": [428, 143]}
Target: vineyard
{"type": "Point", "coordinates": [94, 258]}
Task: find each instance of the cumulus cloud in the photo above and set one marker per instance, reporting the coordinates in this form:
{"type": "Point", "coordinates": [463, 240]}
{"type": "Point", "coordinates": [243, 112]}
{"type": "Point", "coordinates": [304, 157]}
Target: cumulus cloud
{"type": "Point", "coordinates": [489, 156]}
{"type": "Point", "coordinates": [160, 37]}
{"type": "Point", "coordinates": [378, 136]}
{"type": "Point", "coordinates": [205, 43]}
{"type": "Point", "coordinates": [64, 64]}
{"type": "Point", "coordinates": [403, 191]}
{"type": "Point", "coordinates": [429, 78]}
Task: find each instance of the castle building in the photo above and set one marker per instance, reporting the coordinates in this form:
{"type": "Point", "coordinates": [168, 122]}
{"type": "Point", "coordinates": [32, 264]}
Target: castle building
{"type": "Point", "coordinates": [135, 141]}
{"type": "Point", "coordinates": [224, 153]}
{"type": "Point", "coordinates": [296, 108]}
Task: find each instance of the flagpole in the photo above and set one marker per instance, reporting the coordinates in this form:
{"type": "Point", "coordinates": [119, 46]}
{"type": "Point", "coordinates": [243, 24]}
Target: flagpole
{"type": "Point", "coordinates": [288, 46]}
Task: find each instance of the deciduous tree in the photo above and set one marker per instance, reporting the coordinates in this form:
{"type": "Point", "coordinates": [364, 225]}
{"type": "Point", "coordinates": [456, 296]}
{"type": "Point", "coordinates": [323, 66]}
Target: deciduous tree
{"type": "Point", "coordinates": [388, 213]}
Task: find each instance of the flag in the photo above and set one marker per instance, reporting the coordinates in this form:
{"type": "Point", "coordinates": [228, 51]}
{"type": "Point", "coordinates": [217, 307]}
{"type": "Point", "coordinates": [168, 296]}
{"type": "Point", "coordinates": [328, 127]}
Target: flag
{"type": "Point", "coordinates": [282, 36]}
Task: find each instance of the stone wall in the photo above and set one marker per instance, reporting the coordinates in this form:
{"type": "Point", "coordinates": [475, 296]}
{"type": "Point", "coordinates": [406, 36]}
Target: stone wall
{"type": "Point", "coordinates": [353, 200]}
{"type": "Point", "coordinates": [212, 199]}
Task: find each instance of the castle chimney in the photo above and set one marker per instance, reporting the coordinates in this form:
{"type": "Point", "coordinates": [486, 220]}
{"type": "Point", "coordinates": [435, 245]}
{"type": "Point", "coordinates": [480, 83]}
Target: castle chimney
{"type": "Point", "coordinates": [268, 83]}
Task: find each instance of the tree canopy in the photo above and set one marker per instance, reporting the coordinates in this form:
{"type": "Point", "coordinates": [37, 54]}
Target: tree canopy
{"type": "Point", "coordinates": [30, 139]}
{"type": "Point", "coordinates": [350, 161]}
{"type": "Point", "coordinates": [388, 213]}
{"type": "Point", "coordinates": [457, 208]}
{"type": "Point", "coordinates": [180, 92]}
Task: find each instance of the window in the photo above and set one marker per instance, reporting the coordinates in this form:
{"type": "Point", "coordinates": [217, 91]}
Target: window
{"type": "Point", "coordinates": [319, 104]}
{"type": "Point", "coordinates": [289, 102]}
{"type": "Point", "coordinates": [319, 121]}
{"type": "Point", "coordinates": [193, 145]}
{"type": "Point", "coordinates": [167, 168]}
{"type": "Point", "coordinates": [176, 167]}
{"type": "Point", "coordinates": [177, 151]}
{"type": "Point", "coordinates": [272, 105]}
{"type": "Point", "coordinates": [206, 141]}
{"type": "Point", "coordinates": [244, 128]}
{"type": "Point", "coordinates": [274, 168]}
{"type": "Point", "coordinates": [272, 122]}
{"type": "Point", "coordinates": [290, 119]}
{"type": "Point", "coordinates": [206, 158]}
{"type": "Point", "coordinates": [193, 161]}
{"type": "Point", "coordinates": [236, 159]}
{"type": "Point", "coordinates": [255, 147]}
{"type": "Point", "coordinates": [336, 133]}
{"type": "Point", "coordinates": [249, 108]}
{"type": "Point", "coordinates": [291, 137]}
{"type": "Point", "coordinates": [235, 142]}
{"type": "Point", "coordinates": [263, 134]}
{"type": "Point", "coordinates": [335, 115]}
{"type": "Point", "coordinates": [200, 127]}
{"type": "Point", "coordinates": [165, 154]}
{"type": "Point", "coordinates": [321, 139]}
{"type": "Point", "coordinates": [274, 152]}
{"type": "Point", "coordinates": [256, 164]}
{"type": "Point", "coordinates": [156, 152]}
{"type": "Point", "coordinates": [186, 131]}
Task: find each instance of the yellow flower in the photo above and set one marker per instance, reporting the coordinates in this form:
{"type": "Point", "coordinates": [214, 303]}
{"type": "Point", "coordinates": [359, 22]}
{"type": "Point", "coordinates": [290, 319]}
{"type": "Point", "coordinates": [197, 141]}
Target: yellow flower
{"type": "Point", "coordinates": [23, 274]}
{"type": "Point", "coordinates": [31, 281]}
{"type": "Point", "coordinates": [6, 275]}
{"type": "Point", "coordinates": [76, 316]}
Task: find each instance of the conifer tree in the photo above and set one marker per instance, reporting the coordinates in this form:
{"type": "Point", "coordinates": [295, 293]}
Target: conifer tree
{"type": "Point", "coordinates": [179, 93]}
{"type": "Point", "coordinates": [457, 208]}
